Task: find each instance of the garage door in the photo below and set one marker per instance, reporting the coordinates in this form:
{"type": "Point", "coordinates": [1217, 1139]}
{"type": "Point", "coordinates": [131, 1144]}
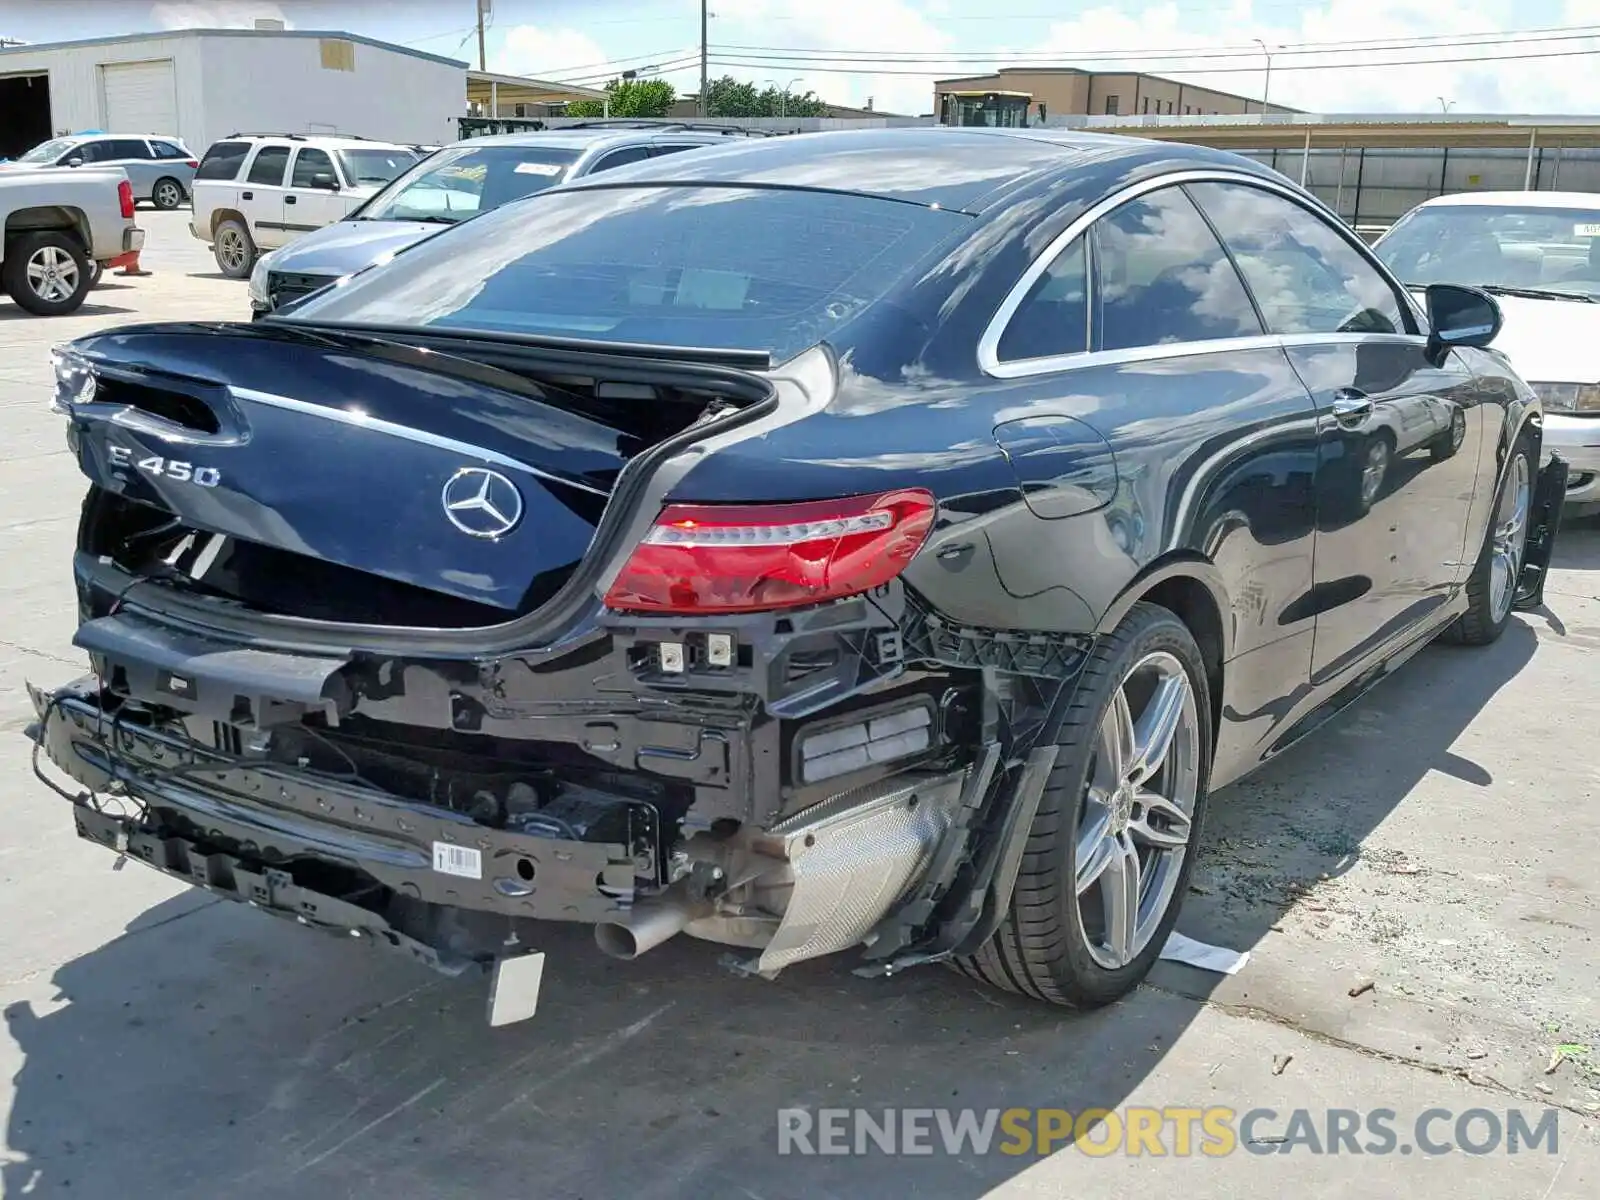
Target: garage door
{"type": "Point", "coordinates": [139, 97]}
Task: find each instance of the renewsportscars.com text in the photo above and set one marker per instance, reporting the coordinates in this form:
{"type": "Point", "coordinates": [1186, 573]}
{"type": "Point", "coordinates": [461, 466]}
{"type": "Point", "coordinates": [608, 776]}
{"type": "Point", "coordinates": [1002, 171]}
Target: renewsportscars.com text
{"type": "Point", "coordinates": [1162, 1132]}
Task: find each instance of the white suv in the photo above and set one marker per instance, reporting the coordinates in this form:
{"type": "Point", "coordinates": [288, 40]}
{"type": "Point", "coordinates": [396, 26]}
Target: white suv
{"type": "Point", "coordinates": [255, 192]}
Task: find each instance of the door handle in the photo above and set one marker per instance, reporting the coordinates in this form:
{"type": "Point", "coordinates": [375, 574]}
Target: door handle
{"type": "Point", "coordinates": [288, 199]}
{"type": "Point", "coordinates": [1351, 407]}
{"type": "Point", "coordinates": [248, 196]}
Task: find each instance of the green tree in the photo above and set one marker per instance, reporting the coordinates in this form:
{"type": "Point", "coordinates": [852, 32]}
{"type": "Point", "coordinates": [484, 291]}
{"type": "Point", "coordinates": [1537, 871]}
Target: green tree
{"type": "Point", "coordinates": [629, 98]}
{"type": "Point", "coordinates": [730, 97]}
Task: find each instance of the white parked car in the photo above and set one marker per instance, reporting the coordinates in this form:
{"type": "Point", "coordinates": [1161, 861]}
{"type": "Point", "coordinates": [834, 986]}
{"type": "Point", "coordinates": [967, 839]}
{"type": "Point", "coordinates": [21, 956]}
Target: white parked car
{"type": "Point", "coordinates": [1538, 254]}
{"type": "Point", "coordinates": [159, 167]}
{"type": "Point", "coordinates": [256, 192]}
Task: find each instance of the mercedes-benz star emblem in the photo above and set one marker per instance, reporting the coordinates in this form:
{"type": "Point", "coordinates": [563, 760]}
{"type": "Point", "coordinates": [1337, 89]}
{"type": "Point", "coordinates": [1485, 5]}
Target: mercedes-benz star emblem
{"type": "Point", "coordinates": [482, 503]}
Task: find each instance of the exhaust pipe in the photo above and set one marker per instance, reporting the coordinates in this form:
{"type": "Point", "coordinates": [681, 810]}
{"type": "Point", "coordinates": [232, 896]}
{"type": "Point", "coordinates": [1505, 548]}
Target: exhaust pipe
{"type": "Point", "coordinates": [650, 923]}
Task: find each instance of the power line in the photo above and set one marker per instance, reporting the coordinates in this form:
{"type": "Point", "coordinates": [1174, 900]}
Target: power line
{"type": "Point", "coordinates": [1348, 66]}
{"type": "Point", "coordinates": [803, 54]}
{"type": "Point", "coordinates": [609, 63]}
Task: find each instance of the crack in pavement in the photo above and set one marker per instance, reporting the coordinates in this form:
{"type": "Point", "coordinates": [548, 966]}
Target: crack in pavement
{"type": "Point", "coordinates": [1465, 1074]}
{"type": "Point", "coordinates": [21, 649]}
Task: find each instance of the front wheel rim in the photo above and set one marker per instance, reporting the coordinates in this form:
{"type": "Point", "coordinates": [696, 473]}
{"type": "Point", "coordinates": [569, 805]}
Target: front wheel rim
{"type": "Point", "coordinates": [52, 274]}
{"type": "Point", "coordinates": [1510, 539]}
{"type": "Point", "coordinates": [167, 195]}
{"type": "Point", "coordinates": [1137, 814]}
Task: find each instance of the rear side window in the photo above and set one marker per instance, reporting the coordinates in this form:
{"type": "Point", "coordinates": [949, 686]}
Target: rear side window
{"type": "Point", "coordinates": [739, 268]}
{"type": "Point", "coordinates": [127, 148]}
{"type": "Point", "coordinates": [270, 164]}
{"type": "Point", "coordinates": [310, 164]}
{"type": "Point", "coordinates": [168, 150]}
{"type": "Point", "coordinates": [223, 161]}
{"type": "Point", "coordinates": [1054, 317]}
{"type": "Point", "coordinates": [1162, 277]}
{"type": "Point", "coordinates": [621, 158]}
{"type": "Point", "coordinates": [1304, 275]}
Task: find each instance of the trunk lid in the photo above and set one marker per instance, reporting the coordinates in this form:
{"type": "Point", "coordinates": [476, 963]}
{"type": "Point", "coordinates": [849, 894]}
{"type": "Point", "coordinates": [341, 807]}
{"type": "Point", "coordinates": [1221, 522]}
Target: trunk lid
{"type": "Point", "coordinates": [328, 469]}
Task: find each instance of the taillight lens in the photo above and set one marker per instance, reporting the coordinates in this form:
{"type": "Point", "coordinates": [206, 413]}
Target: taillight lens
{"type": "Point", "coordinates": [125, 195]}
{"type": "Point", "coordinates": [193, 164]}
{"type": "Point", "coordinates": [751, 558]}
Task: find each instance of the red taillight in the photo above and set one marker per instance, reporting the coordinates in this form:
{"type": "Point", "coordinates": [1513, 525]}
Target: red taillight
{"type": "Point", "coordinates": [125, 194]}
{"type": "Point", "coordinates": [750, 558]}
{"type": "Point", "coordinates": [193, 164]}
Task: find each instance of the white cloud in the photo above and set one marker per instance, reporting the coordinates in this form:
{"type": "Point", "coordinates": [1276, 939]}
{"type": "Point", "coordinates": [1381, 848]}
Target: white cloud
{"type": "Point", "coordinates": [539, 53]}
{"type": "Point", "coordinates": [216, 14]}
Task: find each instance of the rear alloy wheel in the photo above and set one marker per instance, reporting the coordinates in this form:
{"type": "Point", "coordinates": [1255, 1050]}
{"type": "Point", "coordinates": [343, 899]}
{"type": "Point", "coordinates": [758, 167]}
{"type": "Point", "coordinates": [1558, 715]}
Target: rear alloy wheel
{"type": "Point", "coordinates": [1114, 841]}
{"type": "Point", "coordinates": [234, 249]}
{"type": "Point", "coordinates": [1492, 586]}
{"type": "Point", "coordinates": [1375, 458]}
{"type": "Point", "coordinates": [47, 273]}
{"type": "Point", "coordinates": [167, 194]}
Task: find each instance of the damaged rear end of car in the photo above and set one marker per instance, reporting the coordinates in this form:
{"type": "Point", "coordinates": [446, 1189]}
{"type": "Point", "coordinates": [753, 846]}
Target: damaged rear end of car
{"type": "Point", "coordinates": [418, 648]}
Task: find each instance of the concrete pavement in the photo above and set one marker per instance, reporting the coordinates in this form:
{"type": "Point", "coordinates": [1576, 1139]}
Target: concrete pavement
{"type": "Point", "coordinates": [1437, 841]}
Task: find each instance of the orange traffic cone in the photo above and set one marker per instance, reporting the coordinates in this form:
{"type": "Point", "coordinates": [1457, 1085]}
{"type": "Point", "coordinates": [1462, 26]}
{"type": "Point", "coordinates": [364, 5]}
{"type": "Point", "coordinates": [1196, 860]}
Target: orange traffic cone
{"type": "Point", "coordinates": [132, 266]}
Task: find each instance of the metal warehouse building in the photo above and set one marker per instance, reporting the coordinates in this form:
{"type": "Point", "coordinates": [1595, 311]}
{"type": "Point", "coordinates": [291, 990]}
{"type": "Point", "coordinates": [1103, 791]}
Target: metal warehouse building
{"type": "Point", "coordinates": [203, 84]}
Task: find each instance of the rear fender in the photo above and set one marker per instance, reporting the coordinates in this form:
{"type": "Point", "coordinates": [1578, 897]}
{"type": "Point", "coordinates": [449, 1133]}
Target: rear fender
{"type": "Point", "coordinates": [1180, 564]}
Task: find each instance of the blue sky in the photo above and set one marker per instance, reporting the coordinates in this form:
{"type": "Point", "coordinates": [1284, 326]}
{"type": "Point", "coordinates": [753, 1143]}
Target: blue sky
{"type": "Point", "coordinates": [891, 50]}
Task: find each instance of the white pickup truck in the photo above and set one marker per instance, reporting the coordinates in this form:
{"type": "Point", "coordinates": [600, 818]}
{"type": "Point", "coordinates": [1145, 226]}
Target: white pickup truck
{"type": "Point", "coordinates": [59, 230]}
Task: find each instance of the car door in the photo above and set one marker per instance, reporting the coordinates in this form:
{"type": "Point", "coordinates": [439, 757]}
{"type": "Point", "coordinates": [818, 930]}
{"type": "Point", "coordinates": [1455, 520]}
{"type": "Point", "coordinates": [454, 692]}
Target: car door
{"type": "Point", "coordinates": [261, 196]}
{"type": "Point", "coordinates": [312, 199]}
{"type": "Point", "coordinates": [1399, 429]}
{"type": "Point", "coordinates": [133, 155]}
{"type": "Point", "coordinates": [1209, 440]}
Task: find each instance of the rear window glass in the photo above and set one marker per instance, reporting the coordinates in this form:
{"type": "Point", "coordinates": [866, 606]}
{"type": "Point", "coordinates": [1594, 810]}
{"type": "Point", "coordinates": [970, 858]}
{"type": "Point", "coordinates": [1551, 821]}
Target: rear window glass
{"type": "Point", "coordinates": [727, 267]}
{"type": "Point", "coordinates": [223, 161]}
{"type": "Point", "coordinates": [455, 184]}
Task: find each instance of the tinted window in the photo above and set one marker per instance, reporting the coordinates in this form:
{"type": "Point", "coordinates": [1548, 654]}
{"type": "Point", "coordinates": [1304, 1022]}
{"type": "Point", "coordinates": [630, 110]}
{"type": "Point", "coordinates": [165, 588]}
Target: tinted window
{"type": "Point", "coordinates": [757, 269]}
{"type": "Point", "coordinates": [363, 168]}
{"type": "Point", "coordinates": [90, 151]}
{"type": "Point", "coordinates": [311, 162]}
{"type": "Point", "coordinates": [459, 183]}
{"type": "Point", "coordinates": [661, 148]}
{"type": "Point", "coordinates": [1497, 245]}
{"type": "Point", "coordinates": [1054, 318]}
{"type": "Point", "coordinates": [621, 158]}
{"type": "Point", "coordinates": [1305, 277]}
{"type": "Point", "coordinates": [223, 161]}
{"type": "Point", "coordinates": [1161, 276]}
{"type": "Point", "coordinates": [270, 164]}
{"type": "Point", "coordinates": [168, 150]}
{"type": "Point", "coordinates": [126, 148]}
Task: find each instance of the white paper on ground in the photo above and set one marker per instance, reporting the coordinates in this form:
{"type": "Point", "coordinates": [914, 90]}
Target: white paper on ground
{"type": "Point", "coordinates": [1207, 958]}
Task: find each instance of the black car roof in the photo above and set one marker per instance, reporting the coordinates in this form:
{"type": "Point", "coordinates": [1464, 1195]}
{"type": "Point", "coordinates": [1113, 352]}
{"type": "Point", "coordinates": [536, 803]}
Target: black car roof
{"type": "Point", "coordinates": [951, 168]}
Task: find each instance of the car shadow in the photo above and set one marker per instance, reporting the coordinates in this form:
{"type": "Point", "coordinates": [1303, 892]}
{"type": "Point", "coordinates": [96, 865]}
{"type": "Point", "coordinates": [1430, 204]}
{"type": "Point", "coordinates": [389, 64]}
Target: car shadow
{"type": "Point", "coordinates": [15, 312]}
{"type": "Point", "coordinates": [212, 275]}
{"type": "Point", "coordinates": [214, 1050]}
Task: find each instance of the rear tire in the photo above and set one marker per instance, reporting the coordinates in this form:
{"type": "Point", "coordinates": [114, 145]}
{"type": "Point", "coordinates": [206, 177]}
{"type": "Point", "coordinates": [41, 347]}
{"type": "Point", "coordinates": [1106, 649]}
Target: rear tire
{"type": "Point", "coordinates": [234, 249]}
{"type": "Point", "coordinates": [1492, 586]}
{"type": "Point", "coordinates": [46, 273]}
{"type": "Point", "coordinates": [1133, 843]}
{"type": "Point", "coordinates": [1447, 443]}
{"type": "Point", "coordinates": [167, 194]}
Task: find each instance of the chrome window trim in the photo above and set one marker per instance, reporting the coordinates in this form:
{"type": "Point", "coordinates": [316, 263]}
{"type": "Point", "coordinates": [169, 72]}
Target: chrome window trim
{"type": "Point", "coordinates": [989, 343]}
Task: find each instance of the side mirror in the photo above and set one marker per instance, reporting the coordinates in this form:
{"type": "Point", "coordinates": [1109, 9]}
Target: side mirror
{"type": "Point", "coordinates": [74, 161]}
{"type": "Point", "coordinates": [1460, 316]}
{"type": "Point", "coordinates": [325, 181]}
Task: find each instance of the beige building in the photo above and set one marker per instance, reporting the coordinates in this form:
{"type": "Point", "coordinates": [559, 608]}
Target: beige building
{"type": "Point", "coordinates": [1030, 95]}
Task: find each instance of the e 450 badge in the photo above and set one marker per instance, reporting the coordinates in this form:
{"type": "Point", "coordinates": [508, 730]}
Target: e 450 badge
{"type": "Point", "coordinates": [165, 468]}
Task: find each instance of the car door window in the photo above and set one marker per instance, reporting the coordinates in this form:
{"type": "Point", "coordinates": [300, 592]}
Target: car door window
{"type": "Point", "coordinates": [309, 164]}
{"type": "Point", "coordinates": [661, 148]}
{"type": "Point", "coordinates": [621, 158]}
{"type": "Point", "coordinates": [1305, 275]}
{"type": "Point", "coordinates": [269, 166]}
{"type": "Point", "coordinates": [1053, 318]}
{"type": "Point", "coordinates": [1161, 277]}
{"type": "Point", "coordinates": [88, 152]}
{"type": "Point", "coordinates": [128, 148]}
{"type": "Point", "coordinates": [223, 161]}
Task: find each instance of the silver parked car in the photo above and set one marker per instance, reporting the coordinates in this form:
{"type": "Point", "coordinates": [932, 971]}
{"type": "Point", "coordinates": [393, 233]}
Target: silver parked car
{"type": "Point", "coordinates": [160, 168]}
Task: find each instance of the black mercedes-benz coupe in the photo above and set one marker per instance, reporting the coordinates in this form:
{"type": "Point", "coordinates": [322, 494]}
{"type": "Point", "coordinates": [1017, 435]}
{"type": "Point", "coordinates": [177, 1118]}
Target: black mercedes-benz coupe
{"type": "Point", "coordinates": [878, 539]}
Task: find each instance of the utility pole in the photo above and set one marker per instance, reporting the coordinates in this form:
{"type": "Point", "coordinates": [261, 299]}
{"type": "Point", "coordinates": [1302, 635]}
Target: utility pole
{"type": "Point", "coordinates": [483, 7]}
{"type": "Point", "coordinates": [1266, 87]}
{"type": "Point", "coordinates": [705, 24]}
